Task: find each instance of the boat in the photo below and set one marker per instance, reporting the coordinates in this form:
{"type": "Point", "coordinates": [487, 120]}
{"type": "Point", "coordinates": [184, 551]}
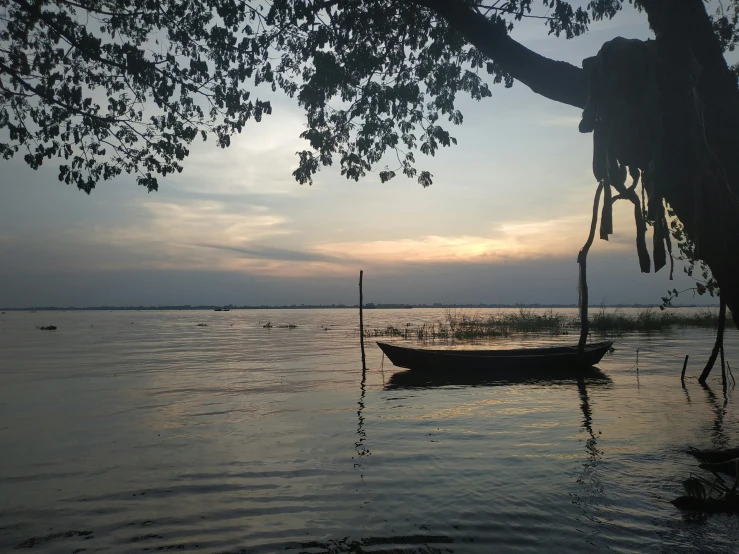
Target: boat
{"type": "Point", "coordinates": [714, 455]}
{"type": "Point", "coordinates": [221, 309]}
{"type": "Point", "coordinates": [722, 505]}
{"type": "Point", "coordinates": [703, 495]}
{"type": "Point", "coordinates": [729, 467]}
{"type": "Point", "coordinates": [533, 360]}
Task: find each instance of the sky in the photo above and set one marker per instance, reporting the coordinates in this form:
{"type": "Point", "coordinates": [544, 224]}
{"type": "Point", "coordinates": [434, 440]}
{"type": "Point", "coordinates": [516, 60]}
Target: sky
{"type": "Point", "coordinates": [508, 211]}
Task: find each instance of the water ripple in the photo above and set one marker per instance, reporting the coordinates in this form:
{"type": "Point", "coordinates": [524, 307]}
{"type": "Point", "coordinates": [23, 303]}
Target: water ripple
{"type": "Point", "coordinates": [145, 433]}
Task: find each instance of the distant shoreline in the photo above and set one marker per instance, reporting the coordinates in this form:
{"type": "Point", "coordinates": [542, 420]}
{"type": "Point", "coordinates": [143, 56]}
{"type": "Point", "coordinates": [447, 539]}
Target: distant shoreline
{"type": "Point", "coordinates": [368, 306]}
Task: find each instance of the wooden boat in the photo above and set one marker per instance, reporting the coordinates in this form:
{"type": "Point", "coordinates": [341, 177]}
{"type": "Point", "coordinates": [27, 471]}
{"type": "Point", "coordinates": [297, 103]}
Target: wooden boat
{"type": "Point", "coordinates": [714, 455]}
{"type": "Point", "coordinates": [706, 496]}
{"type": "Point", "coordinates": [723, 505]}
{"type": "Point", "coordinates": [728, 466]}
{"type": "Point", "coordinates": [534, 360]}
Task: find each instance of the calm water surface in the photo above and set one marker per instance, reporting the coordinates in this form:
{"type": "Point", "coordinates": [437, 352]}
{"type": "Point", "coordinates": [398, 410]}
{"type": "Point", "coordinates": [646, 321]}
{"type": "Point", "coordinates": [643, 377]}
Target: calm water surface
{"type": "Point", "coordinates": [140, 431]}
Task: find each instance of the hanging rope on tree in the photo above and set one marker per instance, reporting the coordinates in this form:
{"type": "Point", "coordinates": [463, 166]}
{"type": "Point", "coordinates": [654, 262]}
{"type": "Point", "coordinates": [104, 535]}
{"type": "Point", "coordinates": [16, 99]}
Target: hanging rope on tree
{"type": "Point", "coordinates": [634, 126]}
{"type": "Point", "coordinates": [623, 113]}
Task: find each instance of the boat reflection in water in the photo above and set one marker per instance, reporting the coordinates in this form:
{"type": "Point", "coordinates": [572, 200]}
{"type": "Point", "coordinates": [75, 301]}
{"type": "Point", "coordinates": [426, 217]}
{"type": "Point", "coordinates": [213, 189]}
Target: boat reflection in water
{"type": "Point", "coordinates": [419, 379]}
{"type": "Point", "coordinates": [589, 492]}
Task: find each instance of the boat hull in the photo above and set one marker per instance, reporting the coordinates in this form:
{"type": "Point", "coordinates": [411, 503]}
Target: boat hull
{"type": "Point", "coordinates": [730, 504]}
{"type": "Point", "coordinates": [729, 467]}
{"type": "Point", "coordinates": [535, 360]}
{"type": "Point", "coordinates": [715, 455]}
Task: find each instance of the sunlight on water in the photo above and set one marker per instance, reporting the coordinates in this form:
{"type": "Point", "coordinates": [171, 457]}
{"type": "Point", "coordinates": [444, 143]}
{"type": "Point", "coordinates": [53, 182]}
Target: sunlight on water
{"type": "Point", "coordinates": [139, 431]}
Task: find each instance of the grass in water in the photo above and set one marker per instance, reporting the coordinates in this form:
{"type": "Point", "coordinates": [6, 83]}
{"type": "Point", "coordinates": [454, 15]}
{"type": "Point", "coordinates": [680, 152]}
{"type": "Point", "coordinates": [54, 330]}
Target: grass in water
{"type": "Point", "coordinates": [461, 324]}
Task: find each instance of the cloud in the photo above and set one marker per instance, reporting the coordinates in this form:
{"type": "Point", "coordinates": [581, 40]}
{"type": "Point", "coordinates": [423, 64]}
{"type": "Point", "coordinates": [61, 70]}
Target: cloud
{"type": "Point", "coordinates": [611, 278]}
{"type": "Point", "coordinates": [518, 188]}
{"type": "Point", "coordinates": [272, 253]}
{"type": "Point", "coordinates": [260, 160]}
{"type": "Point", "coordinates": [162, 235]}
{"type": "Point", "coordinates": [514, 240]}
{"type": "Point", "coordinates": [176, 226]}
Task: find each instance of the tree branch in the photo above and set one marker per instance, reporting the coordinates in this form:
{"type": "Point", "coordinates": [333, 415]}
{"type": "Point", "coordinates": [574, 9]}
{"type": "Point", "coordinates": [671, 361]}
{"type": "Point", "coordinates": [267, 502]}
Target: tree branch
{"type": "Point", "coordinates": [559, 81]}
{"type": "Point", "coordinates": [510, 11]}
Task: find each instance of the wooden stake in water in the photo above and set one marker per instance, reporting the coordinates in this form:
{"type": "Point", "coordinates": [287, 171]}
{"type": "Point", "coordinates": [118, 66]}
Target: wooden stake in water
{"type": "Point", "coordinates": [361, 322]}
{"type": "Point", "coordinates": [685, 365]}
{"type": "Point", "coordinates": [583, 280]}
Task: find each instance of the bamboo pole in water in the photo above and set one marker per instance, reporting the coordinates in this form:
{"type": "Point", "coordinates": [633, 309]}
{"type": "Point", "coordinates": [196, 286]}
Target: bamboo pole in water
{"type": "Point", "coordinates": [685, 365]}
{"type": "Point", "coordinates": [361, 322]}
{"type": "Point", "coordinates": [581, 260]}
{"type": "Point", "coordinates": [723, 370]}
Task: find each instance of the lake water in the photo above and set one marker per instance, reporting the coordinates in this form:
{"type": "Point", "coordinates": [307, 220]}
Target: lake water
{"type": "Point", "coordinates": [134, 431]}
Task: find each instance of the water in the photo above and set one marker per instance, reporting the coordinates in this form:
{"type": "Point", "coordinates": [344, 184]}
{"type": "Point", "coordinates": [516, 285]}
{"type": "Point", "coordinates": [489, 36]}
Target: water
{"type": "Point", "coordinates": [140, 431]}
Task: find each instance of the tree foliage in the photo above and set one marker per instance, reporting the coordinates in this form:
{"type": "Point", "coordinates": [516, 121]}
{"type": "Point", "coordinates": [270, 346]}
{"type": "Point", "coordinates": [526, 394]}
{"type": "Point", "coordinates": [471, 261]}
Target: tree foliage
{"type": "Point", "coordinates": [695, 268]}
{"type": "Point", "coordinates": [113, 86]}
{"type": "Point", "coordinates": [726, 27]}
{"type": "Point", "coordinates": [116, 86]}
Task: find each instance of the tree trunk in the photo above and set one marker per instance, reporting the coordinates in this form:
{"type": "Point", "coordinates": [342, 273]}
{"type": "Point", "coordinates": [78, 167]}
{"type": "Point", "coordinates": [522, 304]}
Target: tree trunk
{"type": "Point", "coordinates": [704, 198]}
{"type": "Point", "coordinates": [556, 80]}
{"type": "Point", "coordinates": [717, 347]}
{"type": "Point", "coordinates": [701, 189]}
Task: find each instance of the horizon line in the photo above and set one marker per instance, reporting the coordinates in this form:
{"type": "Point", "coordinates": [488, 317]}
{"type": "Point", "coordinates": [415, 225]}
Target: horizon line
{"type": "Point", "coordinates": [369, 305]}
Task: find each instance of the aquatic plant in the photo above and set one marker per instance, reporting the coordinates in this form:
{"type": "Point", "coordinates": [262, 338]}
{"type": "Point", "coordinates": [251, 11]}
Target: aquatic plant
{"type": "Point", "coordinates": [468, 325]}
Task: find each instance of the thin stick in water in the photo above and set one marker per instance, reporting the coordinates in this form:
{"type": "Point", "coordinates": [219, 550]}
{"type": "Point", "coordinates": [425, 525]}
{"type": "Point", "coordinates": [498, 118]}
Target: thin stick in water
{"type": "Point", "coordinates": [685, 365]}
{"type": "Point", "coordinates": [361, 322]}
{"type": "Point", "coordinates": [581, 260]}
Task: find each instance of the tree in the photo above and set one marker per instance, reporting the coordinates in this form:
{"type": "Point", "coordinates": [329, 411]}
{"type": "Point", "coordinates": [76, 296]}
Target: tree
{"type": "Point", "coordinates": [115, 86]}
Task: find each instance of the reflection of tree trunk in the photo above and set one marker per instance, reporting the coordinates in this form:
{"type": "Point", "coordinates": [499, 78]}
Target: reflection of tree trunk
{"type": "Point", "coordinates": [587, 420]}
{"type": "Point", "coordinates": [589, 479]}
{"type": "Point", "coordinates": [718, 438]}
{"type": "Point", "coordinates": [591, 444]}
